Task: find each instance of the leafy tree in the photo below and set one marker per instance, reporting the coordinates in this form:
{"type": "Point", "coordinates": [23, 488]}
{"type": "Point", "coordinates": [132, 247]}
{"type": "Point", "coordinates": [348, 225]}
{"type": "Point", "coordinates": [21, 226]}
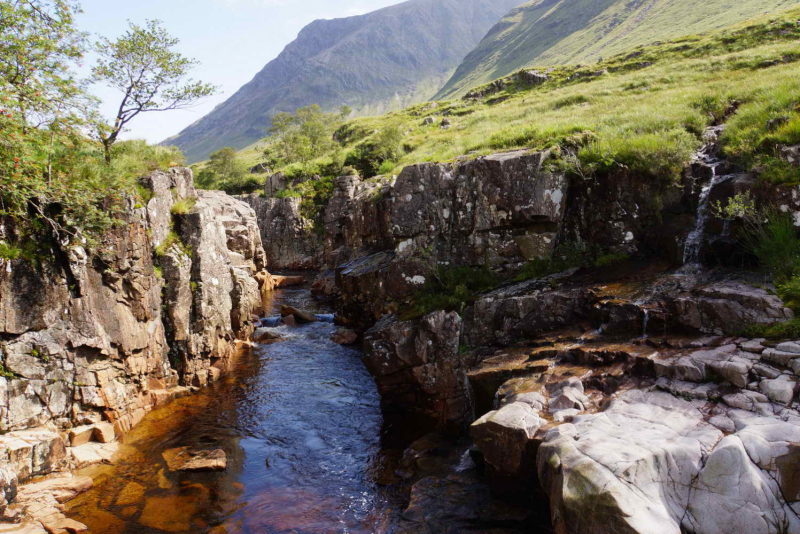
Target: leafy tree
{"type": "Point", "coordinates": [345, 112]}
{"type": "Point", "coordinates": [302, 136]}
{"type": "Point", "coordinates": [43, 171]}
{"type": "Point", "coordinates": [227, 165]}
{"type": "Point", "coordinates": [143, 66]}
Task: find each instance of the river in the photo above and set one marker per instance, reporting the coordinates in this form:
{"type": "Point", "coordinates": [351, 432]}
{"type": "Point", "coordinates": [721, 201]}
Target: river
{"type": "Point", "coordinates": [308, 450]}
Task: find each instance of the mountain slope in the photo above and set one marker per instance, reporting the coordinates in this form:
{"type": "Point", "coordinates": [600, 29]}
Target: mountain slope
{"type": "Point", "coordinates": [550, 32]}
{"type": "Point", "coordinates": [376, 62]}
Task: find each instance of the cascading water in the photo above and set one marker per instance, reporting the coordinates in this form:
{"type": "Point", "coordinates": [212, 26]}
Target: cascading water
{"type": "Point", "coordinates": [707, 158]}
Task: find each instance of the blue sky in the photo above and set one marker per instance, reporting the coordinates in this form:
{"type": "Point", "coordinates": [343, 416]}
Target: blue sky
{"type": "Point", "coordinates": [233, 40]}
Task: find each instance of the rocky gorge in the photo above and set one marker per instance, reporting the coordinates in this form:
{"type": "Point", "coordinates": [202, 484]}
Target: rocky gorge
{"type": "Point", "coordinates": [608, 398]}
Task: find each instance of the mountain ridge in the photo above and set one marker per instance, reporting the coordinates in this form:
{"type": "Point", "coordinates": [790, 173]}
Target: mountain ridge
{"type": "Point", "coordinates": [377, 62]}
{"type": "Point", "coordinates": [542, 33]}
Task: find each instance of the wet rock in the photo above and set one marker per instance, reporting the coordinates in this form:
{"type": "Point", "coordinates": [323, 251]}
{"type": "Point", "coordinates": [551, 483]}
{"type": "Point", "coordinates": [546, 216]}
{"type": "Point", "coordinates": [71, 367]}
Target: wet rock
{"type": "Point", "coordinates": [506, 439]}
{"type": "Point", "coordinates": [729, 308]}
{"type": "Point", "coordinates": [169, 514]}
{"type": "Point", "coordinates": [104, 433]}
{"type": "Point", "coordinates": [266, 337]}
{"type": "Point", "coordinates": [345, 336]}
{"type": "Point", "coordinates": [460, 503]}
{"type": "Point", "coordinates": [299, 315]}
{"type": "Point", "coordinates": [418, 368]}
{"type": "Point", "coordinates": [187, 459]}
{"type": "Point", "coordinates": [132, 493]}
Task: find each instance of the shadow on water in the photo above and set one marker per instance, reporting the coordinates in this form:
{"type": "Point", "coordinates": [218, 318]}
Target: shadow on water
{"type": "Point", "coordinates": [308, 450]}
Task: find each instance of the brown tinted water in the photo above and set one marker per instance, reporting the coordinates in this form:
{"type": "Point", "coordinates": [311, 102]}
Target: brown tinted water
{"type": "Point", "coordinates": [308, 450]}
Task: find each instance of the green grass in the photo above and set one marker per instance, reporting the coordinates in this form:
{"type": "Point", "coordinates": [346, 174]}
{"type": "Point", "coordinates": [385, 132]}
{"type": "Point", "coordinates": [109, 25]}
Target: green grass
{"type": "Point", "coordinates": [173, 239]}
{"type": "Point", "coordinates": [778, 332]}
{"type": "Point", "coordinates": [183, 207]}
{"type": "Point", "coordinates": [543, 34]}
{"type": "Point", "coordinates": [645, 113]}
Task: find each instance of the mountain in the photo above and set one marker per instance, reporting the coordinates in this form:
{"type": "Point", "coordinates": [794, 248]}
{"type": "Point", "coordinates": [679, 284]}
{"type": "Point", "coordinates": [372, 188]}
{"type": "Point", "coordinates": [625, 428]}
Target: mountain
{"type": "Point", "coordinates": [550, 32]}
{"type": "Point", "coordinates": [374, 63]}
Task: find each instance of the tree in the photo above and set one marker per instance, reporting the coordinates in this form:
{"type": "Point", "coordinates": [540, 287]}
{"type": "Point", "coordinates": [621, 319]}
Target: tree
{"type": "Point", "coordinates": [301, 137]}
{"type": "Point", "coordinates": [227, 165]}
{"type": "Point", "coordinates": [152, 77]}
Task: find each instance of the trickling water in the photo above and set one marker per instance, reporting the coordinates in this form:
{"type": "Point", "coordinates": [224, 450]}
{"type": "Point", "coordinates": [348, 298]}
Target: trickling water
{"type": "Point", "coordinates": [300, 422]}
{"type": "Point", "coordinates": [645, 322]}
{"type": "Point", "coordinates": [708, 158]}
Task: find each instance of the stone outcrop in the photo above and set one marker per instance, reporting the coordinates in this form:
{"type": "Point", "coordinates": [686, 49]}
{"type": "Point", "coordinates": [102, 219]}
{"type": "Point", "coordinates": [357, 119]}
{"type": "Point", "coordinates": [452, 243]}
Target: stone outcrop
{"type": "Point", "coordinates": [418, 367]}
{"type": "Point", "coordinates": [385, 237]}
{"type": "Point", "coordinates": [91, 340]}
{"type": "Point", "coordinates": [290, 241]}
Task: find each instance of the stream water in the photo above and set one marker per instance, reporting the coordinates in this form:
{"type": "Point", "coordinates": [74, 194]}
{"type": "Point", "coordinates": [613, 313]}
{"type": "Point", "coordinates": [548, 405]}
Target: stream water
{"type": "Point", "coordinates": [308, 450]}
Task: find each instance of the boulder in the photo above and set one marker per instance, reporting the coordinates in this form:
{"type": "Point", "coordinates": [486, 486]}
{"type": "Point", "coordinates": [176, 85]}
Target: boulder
{"type": "Point", "coordinates": [506, 439]}
{"type": "Point", "coordinates": [187, 459]}
{"type": "Point", "coordinates": [651, 464]}
{"type": "Point", "coordinates": [345, 336]}
{"type": "Point", "coordinates": [301, 316]}
{"type": "Point", "coordinates": [266, 337]}
{"type": "Point", "coordinates": [418, 368]}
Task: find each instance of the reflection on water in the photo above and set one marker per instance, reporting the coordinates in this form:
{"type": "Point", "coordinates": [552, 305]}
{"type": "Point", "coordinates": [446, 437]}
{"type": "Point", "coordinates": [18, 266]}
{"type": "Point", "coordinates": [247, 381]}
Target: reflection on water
{"type": "Point", "coordinates": [300, 422]}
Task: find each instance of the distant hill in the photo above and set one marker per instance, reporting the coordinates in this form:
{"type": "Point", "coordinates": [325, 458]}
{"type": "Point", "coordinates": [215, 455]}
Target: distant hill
{"type": "Point", "coordinates": [374, 63]}
{"type": "Point", "coordinates": [550, 32]}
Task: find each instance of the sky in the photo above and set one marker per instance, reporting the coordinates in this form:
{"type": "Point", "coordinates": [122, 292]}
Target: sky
{"type": "Point", "coordinates": [232, 40]}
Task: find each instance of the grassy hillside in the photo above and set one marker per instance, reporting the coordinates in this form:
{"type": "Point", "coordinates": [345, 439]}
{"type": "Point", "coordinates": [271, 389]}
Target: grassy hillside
{"type": "Point", "coordinates": [384, 60]}
{"type": "Point", "coordinates": [645, 109]}
{"type": "Point", "coordinates": [554, 32]}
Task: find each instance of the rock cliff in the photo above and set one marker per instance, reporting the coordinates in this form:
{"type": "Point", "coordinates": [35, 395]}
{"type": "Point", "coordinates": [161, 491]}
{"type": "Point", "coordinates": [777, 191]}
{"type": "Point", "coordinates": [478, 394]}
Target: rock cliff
{"type": "Point", "coordinates": [93, 339]}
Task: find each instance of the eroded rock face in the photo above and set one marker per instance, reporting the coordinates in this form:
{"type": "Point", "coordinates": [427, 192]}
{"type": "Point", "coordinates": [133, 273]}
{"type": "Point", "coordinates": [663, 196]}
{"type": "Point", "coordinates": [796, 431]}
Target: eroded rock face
{"type": "Point", "coordinates": [385, 236]}
{"type": "Point", "coordinates": [651, 463]}
{"type": "Point", "coordinates": [418, 368]}
{"type": "Point", "coordinates": [290, 242]}
{"type": "Point", "coordinates": [87, 337]}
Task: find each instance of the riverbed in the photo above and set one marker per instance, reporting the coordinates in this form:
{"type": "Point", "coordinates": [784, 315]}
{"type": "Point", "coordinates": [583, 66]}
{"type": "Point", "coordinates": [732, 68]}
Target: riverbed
{"type": "Point", "coordinates": [300, 422]}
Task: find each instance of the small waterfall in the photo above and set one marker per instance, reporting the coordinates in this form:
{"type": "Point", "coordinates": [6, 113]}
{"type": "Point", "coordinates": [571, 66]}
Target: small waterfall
{"type": "Point", "coordinates": [645, 322]}
{"type": "Point", "coordinates": [707, 158]}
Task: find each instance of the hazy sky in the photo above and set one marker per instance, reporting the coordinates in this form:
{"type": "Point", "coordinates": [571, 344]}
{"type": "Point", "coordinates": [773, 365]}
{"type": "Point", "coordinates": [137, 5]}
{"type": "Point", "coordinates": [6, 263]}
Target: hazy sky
{"type": "Point", "coordinates": [233, 40]}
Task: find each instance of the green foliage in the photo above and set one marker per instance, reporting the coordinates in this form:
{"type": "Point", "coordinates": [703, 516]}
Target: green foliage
{"type": "Point", "coordinates": [299, 138]}
{"type": "Point", "coordinates": [183, 207]}
{"type": "Point", "coordinates": [172, 240]}
{"type": "Point", "coordinates": [227, 171]}
{"type": "Point", "coordinates": [9, 252]}
{"type": "Point", "coordinates": [451, 289]}
{"type": "Point", "coordinates": [777, 332]}
{"type": "Point", "coordinates": [609, 260]}
{"type": "Point", "coordinates": [288, 193]}
{"type": "Point", "coordinates": [772, 238]}
{"type": "Point", "coordinates": [567, 256]}
{"type": "Point", "coordinates": [143, 66]}
{"type": "Point", "coordinates": [369, 156]}
{"type": "Point", "coordinates": [573, 100]}
{"type": "Point", "coordinates": [387, 167]}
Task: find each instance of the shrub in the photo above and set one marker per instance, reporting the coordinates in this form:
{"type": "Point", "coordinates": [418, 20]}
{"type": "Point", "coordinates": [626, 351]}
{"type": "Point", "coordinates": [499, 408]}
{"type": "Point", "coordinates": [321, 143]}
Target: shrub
{"type": "Point", "coordinates": [772, 238]}
{"type": "Point", "coordinates": [9, 252]}
{"type": "Point", "coordinates": [567, 256]}
{"type": "Point", "coordinates": [608, 260]}
{"type": "Point", "coordinates": [450, 289]}
{"type": "Point", "coordinates": [387, 167]}
{"type": "Point", "coordinates": [183, 207]}
{"type": "Point", "coordinates": [777, 332]}
{"type": "Point", "coordinates": [288, 193]}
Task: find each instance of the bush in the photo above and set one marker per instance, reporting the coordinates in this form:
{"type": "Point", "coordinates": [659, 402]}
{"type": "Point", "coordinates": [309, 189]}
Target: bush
{"type": "Point", "coordinates": [387, 167]}
{"type": "Point", "coordinates": [451, 289]}
{"type": "Point", "coordinates": [568, 256]}
{"type": "Point", "coordinates": [772, 238]}
{"type": "Point", "coordinates": [778, 332]}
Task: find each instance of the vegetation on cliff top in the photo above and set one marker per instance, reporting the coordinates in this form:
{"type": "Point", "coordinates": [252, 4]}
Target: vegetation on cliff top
{"type": "Point", "coordinates": [539, 33]}
{"type": "Point", "coordinates": [645, 110]}
{"type": "Point", "coordinates": [63, 175]}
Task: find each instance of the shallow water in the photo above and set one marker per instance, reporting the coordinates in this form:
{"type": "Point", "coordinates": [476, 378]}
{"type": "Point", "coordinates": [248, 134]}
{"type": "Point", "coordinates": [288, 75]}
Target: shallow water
{"type": "Point", "coordinates": [308, 451]}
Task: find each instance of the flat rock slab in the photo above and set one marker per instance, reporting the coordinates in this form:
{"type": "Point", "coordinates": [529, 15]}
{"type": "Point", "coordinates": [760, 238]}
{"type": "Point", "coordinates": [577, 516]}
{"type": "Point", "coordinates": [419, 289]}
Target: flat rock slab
{"type": "Point", "coordinates": [186, 459]}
